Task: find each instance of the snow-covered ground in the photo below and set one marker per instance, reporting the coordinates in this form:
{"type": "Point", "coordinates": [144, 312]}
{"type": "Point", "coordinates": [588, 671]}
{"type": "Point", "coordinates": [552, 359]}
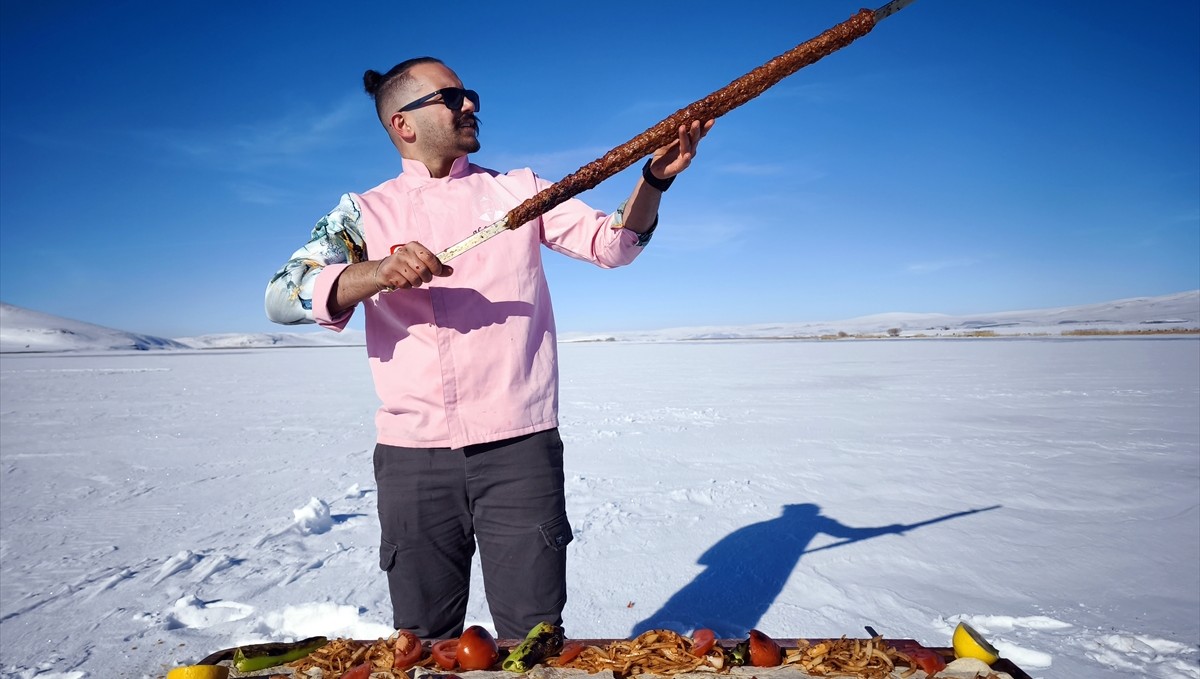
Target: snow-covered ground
{"type": "Point", "coordinates": [157, 506]}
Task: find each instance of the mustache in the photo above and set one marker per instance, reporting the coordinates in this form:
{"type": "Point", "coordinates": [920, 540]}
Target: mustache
{"type": "Point", "coordinates": [469, 119]}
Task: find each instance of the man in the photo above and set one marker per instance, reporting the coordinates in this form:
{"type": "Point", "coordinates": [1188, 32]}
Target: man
{"type": "Point", "coordinates": [463, 358]}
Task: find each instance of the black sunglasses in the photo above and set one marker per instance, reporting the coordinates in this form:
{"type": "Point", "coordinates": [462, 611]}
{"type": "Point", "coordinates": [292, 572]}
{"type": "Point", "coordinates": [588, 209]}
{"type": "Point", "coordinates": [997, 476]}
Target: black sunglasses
{"type": "Point", "coordinates": [452, 97]}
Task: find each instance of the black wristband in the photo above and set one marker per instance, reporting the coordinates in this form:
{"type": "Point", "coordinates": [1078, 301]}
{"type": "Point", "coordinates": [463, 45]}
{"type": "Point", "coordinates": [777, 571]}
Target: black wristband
{"type": "Point", "coordinates": [661, 184]}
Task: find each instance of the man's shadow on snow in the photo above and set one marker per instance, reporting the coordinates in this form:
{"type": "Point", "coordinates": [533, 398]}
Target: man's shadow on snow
{"type": "Point", "coordinates": [459, 309]}
{"type": "Point", "coordinates": [747, 569]}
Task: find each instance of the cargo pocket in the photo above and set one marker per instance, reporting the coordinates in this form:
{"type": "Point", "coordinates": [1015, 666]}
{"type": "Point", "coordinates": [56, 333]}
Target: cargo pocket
{"type": "Point", "coordinates": [387, 555]}
{"type": "Point", "coordinates": [557, 533]}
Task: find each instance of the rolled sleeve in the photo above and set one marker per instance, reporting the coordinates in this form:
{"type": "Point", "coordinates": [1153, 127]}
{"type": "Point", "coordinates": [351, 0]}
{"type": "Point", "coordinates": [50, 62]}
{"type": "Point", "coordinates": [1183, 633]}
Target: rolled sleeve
{"type": "Point", "coordinates": [299, 291]}
{"type": "Point", "coordinates": [321, 291]}
{"type": "Point", "coordinates": [578, 231]}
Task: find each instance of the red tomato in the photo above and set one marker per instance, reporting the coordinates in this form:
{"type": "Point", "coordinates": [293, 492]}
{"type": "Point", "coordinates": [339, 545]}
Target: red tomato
{"type": "Point", "coordinates": [764, 652]}
{"type": "Point", "coordinates": [477, 650]}
{"type": "Point", "coordinates": [362, 671]}
{"type": "Point", "coordinates": [445, 653]}
{"type": "Point", "coordinates": [930, 661]}
{"type": "Point", "coordinates": [570, 651]}
{"type": "Point", "coordinates": [407, 650]}
{"type": "Point", "coordinates": [702, 641]}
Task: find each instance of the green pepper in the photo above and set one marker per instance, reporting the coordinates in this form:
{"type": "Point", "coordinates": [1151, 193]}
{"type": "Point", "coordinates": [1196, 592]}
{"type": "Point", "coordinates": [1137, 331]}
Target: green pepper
{"type": "Point", "coordinates": [543, 641]}
{"type": "Point", "coordinates": [740, 654]}
{"type": "Point", "coordinates": [262, 656]}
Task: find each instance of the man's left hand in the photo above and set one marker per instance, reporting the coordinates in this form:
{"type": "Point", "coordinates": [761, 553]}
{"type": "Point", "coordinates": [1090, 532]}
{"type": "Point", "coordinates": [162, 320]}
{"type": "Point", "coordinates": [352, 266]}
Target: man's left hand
{"type": "Point", "coordinates": [674, 158]}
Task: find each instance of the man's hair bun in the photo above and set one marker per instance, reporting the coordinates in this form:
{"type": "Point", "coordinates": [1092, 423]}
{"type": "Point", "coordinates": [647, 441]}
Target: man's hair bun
{"type": "Point", "coordinates": [372, 81]}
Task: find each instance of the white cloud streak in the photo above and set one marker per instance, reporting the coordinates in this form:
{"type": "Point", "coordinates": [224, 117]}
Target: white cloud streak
{"type": "Point", "coordinates": [920, 268]}
{"type": "Point", "coordinates": [251, 146]}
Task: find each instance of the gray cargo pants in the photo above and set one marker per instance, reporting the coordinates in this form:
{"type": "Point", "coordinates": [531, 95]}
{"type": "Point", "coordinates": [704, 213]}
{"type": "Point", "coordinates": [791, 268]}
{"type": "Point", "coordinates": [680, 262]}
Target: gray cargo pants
{"type": "Point", "coordinates": [436, 503]}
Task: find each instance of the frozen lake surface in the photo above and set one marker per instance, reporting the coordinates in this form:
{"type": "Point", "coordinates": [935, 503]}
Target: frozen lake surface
{"type": "Point", "coordinates": [158, 506]}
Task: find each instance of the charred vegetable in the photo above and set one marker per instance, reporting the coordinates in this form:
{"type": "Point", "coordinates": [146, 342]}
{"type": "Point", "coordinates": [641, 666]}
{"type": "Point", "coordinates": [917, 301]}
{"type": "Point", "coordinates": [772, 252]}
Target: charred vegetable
{"type": "Point", "coordinates": [262, 656]}
{"type": "Point", "coordinates": [740, 654]}
{"type": "Point", "coordinates": [543, 641]}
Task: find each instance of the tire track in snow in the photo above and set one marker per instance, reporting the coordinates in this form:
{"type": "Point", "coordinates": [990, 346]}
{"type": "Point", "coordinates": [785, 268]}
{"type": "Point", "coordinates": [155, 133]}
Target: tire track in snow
{"type": "Point", "coordinates": [105, 579]}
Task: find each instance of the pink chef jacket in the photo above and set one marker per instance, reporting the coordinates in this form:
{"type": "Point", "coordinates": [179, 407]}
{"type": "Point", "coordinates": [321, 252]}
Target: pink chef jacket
{"type": "Point", "coordinates": [469, 358]}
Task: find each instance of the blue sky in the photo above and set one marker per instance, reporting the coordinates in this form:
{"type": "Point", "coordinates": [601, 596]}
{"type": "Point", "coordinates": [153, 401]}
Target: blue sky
{"type": "Point", "coordinates": [161, 159]}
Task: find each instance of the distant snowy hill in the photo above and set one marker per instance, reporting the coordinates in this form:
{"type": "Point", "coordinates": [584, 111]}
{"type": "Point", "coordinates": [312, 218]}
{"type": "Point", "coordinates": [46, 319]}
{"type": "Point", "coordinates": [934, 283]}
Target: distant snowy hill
{"type": "Point", "coordinates": [1180, 311]}
{"type": "Point", "coordinates": [22, 330]}
{"type": "Point", "coordinates": [315, 338]}
{"type": "Point", "coordinates": [25, 330]}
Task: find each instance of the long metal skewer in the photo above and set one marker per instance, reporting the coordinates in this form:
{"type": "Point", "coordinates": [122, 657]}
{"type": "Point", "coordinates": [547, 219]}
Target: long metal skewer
{"type": "Point", "coordinates": [713, 106]}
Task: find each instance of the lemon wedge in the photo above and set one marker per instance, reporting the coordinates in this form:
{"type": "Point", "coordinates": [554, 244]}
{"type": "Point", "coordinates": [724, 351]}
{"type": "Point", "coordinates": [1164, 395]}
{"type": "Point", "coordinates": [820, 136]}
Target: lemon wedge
{"type": "Point", "coordinates": [199, 672]}
{"type": "Point", "coordinates": [967, 644]}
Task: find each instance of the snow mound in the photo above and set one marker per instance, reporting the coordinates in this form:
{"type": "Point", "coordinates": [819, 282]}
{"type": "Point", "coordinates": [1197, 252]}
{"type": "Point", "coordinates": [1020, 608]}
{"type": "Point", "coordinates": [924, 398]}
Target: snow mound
{"type": "Point", "coordinates": [313, 518]}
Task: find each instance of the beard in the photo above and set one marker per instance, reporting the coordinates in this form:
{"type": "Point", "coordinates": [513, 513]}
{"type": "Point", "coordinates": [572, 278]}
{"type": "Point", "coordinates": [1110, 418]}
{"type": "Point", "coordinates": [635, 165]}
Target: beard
{"type": "Point", "coordinates": [450, 139]}
{"type": "Point", "coordinates": [467, 133]}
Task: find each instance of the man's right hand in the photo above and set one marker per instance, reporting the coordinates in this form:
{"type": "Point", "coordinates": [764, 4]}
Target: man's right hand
{"type": "Point", "coordinates": [409, 266]}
